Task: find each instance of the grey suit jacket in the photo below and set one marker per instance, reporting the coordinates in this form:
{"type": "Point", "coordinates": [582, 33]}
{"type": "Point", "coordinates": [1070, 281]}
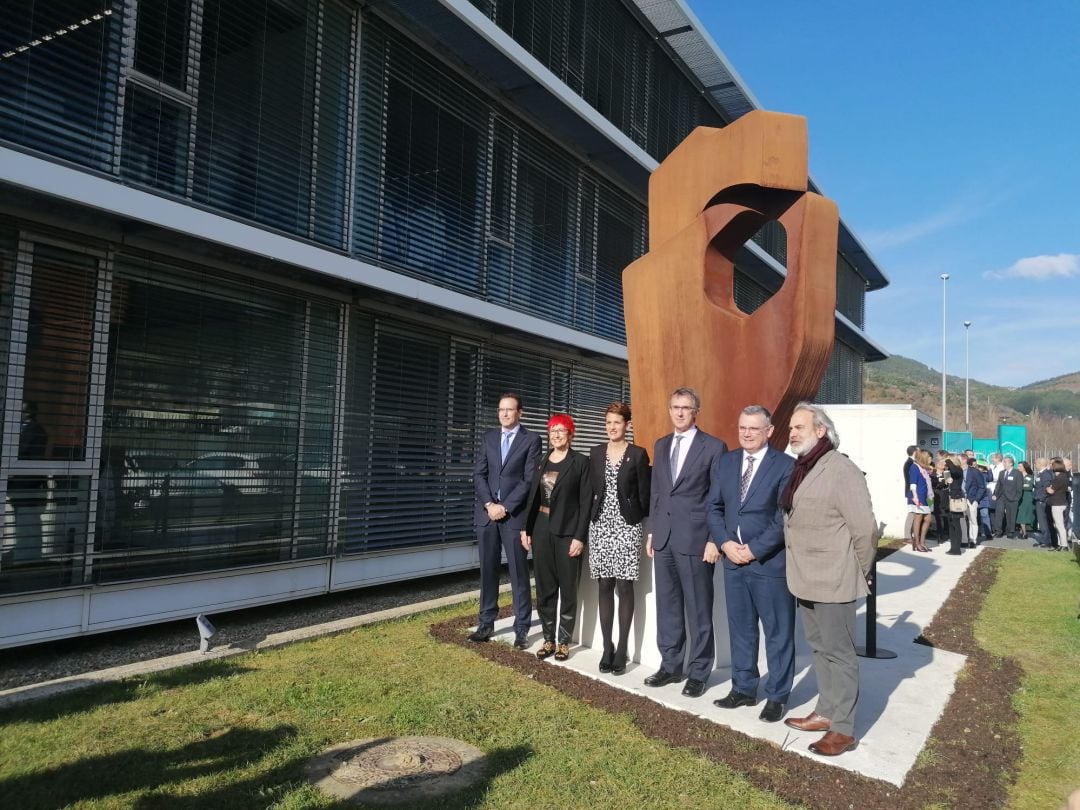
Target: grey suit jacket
{"type": "Point", "coordinates": [830, 533]}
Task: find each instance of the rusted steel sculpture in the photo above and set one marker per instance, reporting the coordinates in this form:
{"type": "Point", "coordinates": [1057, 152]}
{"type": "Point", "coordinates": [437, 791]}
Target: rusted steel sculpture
{"type": "Point", "coordinates": [711, 195]}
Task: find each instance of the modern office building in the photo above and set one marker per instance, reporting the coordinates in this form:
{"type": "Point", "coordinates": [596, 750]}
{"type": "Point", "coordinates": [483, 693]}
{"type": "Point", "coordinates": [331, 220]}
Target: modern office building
{"type": "Point", "coordinates": [265, 266]}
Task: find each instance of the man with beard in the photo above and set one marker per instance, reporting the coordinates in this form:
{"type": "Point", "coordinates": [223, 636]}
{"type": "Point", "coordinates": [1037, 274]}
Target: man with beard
{"type": "Point", "coordinates": [830, 533]}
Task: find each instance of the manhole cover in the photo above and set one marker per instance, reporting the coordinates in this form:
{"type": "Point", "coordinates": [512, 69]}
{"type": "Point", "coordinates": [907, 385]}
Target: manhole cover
{"type": "Point", "coordinates": [396, 770]}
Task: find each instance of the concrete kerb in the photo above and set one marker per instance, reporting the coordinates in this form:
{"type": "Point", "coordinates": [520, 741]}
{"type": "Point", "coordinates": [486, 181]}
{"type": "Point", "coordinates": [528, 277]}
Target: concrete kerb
{"type": "Point", "coordinates": [73, 683]}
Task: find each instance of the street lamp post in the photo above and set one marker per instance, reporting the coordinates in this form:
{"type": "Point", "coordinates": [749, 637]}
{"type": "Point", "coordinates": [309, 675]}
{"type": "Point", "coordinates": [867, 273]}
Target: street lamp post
{"type": "Point", "coordinates": [967, 376]}
{"type": "Point", "coordinates": [944, 426]}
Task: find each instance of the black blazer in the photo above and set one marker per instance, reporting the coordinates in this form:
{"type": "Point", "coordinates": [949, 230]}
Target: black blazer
{"type": "Point", "coordinates": [632, 485]}
{"type": "Point", "coordinates": [570, 499]}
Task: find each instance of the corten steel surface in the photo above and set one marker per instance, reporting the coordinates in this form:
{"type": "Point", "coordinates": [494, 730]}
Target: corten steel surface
{"type": "Point", "coordinates": [708, 197]}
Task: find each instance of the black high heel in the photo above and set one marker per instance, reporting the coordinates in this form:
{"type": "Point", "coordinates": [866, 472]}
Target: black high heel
{"type": "Point", "coordinates": [606, 658]}
{"type": "Point", "coordinates": [618, 663]}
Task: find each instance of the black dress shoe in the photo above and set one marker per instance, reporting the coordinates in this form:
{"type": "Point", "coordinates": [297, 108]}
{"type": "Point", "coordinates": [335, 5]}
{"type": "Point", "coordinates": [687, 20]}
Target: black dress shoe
{"type": "Point", "coordinates": [693, 688]}
{"type": "Point", "coordinates": [772, 712]}
{"type": "Point", "coordinates": [662, 678]}
{"type": "Point", "coordinates": [521, 642]}
{"type": "Point", "coordinates": [734, 700]}
{"type": "Point", "coordinates": [481, 634]}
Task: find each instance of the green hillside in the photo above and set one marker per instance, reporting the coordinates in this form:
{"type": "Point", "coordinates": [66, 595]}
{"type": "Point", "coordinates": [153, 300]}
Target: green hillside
{"type": "Point", "coordinates": [1050, 408]}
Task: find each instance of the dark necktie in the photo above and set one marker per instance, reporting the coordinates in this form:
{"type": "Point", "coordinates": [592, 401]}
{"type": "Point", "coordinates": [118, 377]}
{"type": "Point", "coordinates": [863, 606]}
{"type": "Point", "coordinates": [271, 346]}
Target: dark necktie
{"type": "Point", "coordinates": [744, 482]}
{"type": "Point", "coordinates": [675, 457]}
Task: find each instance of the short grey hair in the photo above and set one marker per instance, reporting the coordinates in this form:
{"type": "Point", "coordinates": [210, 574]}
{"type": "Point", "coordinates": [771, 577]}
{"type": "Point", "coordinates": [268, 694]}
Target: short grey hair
{"type": "Point", "coordinates": [821, 419]}
{"type": "Point", "coordinates": [758, 410]}
{"type": "Point", "coordinates": [687, 392]}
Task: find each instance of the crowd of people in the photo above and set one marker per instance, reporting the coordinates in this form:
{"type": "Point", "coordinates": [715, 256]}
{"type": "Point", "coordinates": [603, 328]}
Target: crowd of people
{"type": "Point", "coordinates": [969, 502]}
{"type": "Point", "coordinates": [787, 531]}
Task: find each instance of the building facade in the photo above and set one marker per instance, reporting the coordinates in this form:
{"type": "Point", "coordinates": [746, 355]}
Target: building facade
{"type": "Point", "coordinates": [265, 266]}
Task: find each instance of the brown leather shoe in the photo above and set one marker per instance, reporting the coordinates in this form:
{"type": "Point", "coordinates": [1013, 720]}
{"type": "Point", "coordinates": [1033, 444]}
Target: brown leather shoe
{"type": "Point", "coordinates": [812, 722]}
{"type": "Point", "coordinates": [833, 744]}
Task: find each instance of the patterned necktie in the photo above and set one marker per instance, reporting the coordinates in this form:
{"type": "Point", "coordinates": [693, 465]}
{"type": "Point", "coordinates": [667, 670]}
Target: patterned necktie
{"type": "Point", "coordinates": [744, 482]}
{"type": "Point", "coordinates": [505, 445]}
{"type": "Point", "coordinates": [675, 457]}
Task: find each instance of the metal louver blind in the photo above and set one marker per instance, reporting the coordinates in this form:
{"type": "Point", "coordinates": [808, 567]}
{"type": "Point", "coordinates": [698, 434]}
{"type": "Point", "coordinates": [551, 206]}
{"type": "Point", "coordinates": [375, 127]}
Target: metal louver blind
{"type": "Point", "coordinates": [59, 64]}
{"type": "Point", "coordinates": [452, 190]}
{"type": "Point", "coordinates": [418, 401]}
{"type": "Point", "coordinates": [843, 381]}
{"type": "Point", "coordinates": [49, 443]}
{"type": "Point", "coordinates": [420, 205]}
{"type": "Point", "coordinates": [602, 52]}
{"type": "Point", "coordinates": [256, 95]}
{"type": "Point", "coordinates": [850, 292]}
{"type": "Point", "coordinates": [592, 392]}
{"type": "Point", "coordinates": [218, 423]}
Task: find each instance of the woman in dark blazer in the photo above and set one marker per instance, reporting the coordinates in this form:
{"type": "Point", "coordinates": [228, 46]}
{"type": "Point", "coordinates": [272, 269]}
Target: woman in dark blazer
{"type": "Point", "coordinates": [620, 477]}
{"type": "Point", "coordinates": [556, 527]}
{"type": "Point", "coordinates": [954, 491]}
{"type": "Point", "coordinates": [1057, 500]}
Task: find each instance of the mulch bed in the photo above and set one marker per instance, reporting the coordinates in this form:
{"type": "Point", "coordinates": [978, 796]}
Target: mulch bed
{"type": "Point", "coordinates": [969, 761]}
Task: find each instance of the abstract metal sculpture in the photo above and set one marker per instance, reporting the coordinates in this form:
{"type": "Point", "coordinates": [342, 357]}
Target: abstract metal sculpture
{"type": "Point", "coordinates": [708, 197]}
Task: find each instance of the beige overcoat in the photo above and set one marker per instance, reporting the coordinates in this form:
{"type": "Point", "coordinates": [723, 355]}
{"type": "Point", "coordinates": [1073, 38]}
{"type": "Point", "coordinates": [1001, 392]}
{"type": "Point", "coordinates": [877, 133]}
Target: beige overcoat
{"type": "Point", "coordinates": [830, 533]}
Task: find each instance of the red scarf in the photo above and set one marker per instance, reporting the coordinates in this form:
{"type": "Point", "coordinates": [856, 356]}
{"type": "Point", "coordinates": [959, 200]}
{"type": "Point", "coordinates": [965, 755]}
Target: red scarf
{"type": "Point", "coordinates": [803, 465]}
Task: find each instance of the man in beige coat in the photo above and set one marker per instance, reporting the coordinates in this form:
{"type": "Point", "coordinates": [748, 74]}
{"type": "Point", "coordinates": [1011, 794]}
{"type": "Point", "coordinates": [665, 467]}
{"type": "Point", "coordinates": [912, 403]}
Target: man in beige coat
{"type": "Point", "coordinates": [831, 535]}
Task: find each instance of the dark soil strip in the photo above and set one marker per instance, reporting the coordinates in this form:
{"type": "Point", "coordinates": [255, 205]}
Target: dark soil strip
{"type": "Point", "coordinates": [969, 761]}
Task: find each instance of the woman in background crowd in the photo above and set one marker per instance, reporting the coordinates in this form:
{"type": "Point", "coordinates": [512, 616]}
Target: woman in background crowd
{"type": "Point", "coordinates": [954, 495]}
{"type": "Point", "coordinates": [620, 476]}
{"type": "Point", "coordinates": [920, 498]}
{"type": "Point", "coordinates": [1025, 513]}
{"type": "Point", "coordinates": [1057, 495]}
{"type": "Point", "coordinates": [556, 526]}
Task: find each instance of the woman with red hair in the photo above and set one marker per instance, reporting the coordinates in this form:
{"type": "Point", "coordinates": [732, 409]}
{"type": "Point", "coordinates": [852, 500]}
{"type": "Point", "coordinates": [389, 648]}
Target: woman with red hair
{"type": "Point", "coordinates": [556, 525]}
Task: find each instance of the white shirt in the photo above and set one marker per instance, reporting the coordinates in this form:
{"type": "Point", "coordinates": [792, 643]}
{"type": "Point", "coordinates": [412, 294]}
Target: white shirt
{"type": "Point", "coordinates": [684, 448]}
{"type": "Point", "coordinates": [758, 457]}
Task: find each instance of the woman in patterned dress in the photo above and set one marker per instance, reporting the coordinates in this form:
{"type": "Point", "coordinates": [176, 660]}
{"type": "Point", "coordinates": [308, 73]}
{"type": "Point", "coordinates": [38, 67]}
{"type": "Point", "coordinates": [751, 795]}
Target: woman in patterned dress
{"type": "Point", "coordinates": [620, 476]}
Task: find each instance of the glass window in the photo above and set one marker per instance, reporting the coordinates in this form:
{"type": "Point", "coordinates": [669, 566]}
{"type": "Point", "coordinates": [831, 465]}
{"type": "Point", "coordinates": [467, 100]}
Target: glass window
{"type": "Point", "coordinates": [204, 419]}
{"type": "Point", "coordinates": [432, 206]}
{"type": "Point", "coordinates": [253, 150]}
{"type": "Point", "coordinates": [44, 538]}
{"type": "Point", "coordinates": [161, 40]}
{"type": "Point", "coordinates": [155, 140]}
{"type": "Point", "coordinates": [58, 95]}
{"type": "Point", "coordinates": [59, 344]}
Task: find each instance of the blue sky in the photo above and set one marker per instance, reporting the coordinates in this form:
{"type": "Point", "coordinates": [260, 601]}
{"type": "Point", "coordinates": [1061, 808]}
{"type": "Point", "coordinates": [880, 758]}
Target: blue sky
{"type": "Point", "coordinates": [949, 135]}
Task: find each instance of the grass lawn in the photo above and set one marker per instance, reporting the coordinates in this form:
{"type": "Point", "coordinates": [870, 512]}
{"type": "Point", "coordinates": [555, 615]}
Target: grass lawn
{"type": "Point", "coordinates": [237, 733]}
{"type": "Point", "coordinates": [1031, 615]}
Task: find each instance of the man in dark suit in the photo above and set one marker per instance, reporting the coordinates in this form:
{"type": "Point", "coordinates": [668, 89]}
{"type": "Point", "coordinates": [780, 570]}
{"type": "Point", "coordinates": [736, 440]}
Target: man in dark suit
{"type": "Point", "coordinates": [744, 518]}
{"type": "Point", "coordinates": [1043, 476]}
{"type": "Point", "coordinates": [683, 553]}
{"type": "Point", "coordinates": [1007, 491]}
{"type": "Point", "coordinates": [506, 463]}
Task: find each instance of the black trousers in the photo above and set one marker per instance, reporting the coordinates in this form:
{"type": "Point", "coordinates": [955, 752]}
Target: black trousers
{"type": "Point", "coordinates": [557, 575]}
{"type": "Point", "coordinates": [956, 531]}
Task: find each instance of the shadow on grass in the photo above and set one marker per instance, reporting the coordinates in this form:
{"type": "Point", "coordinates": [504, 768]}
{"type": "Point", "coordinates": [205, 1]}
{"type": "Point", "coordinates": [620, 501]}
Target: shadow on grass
{"type": "Point", "coordinates": [51, 708]}
{"type": "Point", "coordinates": [145, 769]}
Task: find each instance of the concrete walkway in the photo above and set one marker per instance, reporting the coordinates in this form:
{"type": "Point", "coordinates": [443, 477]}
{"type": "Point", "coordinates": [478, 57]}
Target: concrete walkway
{"type": "Point", "coordinates": [899, 700]}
